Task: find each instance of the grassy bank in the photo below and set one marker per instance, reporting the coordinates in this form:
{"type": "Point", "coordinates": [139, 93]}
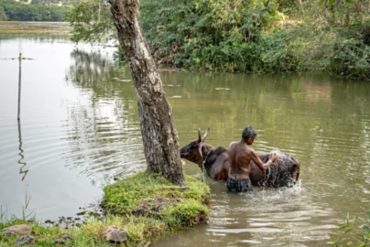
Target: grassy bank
{"type": "Point", "coordinates": [146, 207]}
{"type": "Point", "coordinates": [18, 27]}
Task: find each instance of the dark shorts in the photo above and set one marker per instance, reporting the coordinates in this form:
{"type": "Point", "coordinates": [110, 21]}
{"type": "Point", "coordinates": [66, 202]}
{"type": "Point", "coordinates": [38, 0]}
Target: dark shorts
{"type": "Point", "coordinates": [239, 185]}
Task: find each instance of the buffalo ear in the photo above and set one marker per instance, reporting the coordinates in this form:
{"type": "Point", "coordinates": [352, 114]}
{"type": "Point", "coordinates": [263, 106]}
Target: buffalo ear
{"type": "Point", "coordinates": [205, 135]}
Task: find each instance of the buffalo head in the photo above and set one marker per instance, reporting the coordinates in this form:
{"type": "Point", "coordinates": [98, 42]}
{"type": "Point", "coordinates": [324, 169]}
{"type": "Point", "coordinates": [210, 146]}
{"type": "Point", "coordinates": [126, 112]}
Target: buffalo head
{"type": "Point", "coordinates": [194, 150]}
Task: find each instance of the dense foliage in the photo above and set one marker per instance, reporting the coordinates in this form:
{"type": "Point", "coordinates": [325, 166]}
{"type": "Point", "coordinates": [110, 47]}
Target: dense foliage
{"type": "Point", "coordinates": [257, 36]}
{"type": "Point", "coordinates": [91, 21]}
{"type": "Point", "coordinates": [15, 11]}
{"type": "Point", "coordinates": [208, 34]}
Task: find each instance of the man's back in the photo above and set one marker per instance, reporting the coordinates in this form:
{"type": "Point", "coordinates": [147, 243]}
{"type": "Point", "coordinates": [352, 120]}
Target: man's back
{"type": "Point", "coordinates": [240, 156]}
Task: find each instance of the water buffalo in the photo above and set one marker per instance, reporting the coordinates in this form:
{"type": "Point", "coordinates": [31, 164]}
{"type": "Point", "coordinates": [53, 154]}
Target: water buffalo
{"type": "Point", "coordinates": [284, 171]}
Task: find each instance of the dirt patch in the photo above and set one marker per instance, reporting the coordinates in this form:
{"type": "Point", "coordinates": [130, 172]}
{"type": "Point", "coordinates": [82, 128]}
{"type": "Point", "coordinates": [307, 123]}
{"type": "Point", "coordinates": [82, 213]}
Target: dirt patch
{"type": "Point", "coordinates": [153, 206]}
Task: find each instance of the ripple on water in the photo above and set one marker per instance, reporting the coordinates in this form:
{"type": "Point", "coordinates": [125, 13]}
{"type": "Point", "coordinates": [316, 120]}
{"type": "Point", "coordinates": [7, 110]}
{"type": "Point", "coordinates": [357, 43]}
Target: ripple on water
{"type": "Point", "coordinates": [286, 214]}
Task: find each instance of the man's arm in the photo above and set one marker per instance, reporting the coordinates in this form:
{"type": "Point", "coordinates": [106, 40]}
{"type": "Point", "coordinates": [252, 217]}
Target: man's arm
{"type": "Point", "coordinates": [259, 163]}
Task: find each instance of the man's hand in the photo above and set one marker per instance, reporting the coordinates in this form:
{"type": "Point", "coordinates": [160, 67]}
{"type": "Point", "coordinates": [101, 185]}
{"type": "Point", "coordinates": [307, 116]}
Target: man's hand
{"type": "Point", "coordinates": [273, 157]}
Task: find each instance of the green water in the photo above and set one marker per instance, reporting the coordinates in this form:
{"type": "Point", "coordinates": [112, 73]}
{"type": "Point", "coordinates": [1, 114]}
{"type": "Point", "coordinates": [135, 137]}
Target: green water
{"type": "Point", "coordinates": [79, 130]}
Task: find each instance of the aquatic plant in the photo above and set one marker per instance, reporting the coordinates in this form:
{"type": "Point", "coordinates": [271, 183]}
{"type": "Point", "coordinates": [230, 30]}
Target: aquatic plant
{"type": "Point", "coordinates": [352, 232]}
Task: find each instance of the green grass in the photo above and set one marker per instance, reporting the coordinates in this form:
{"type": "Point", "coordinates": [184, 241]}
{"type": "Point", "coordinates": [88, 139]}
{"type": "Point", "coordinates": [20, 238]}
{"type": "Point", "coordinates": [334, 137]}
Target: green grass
{"type": "Point", "coordinates": [152, 197]}
{"type": "Point", "coordinates": [147, 207]}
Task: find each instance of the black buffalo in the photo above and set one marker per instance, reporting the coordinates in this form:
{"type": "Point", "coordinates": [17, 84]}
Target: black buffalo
{"type": "Point", "coordinates": [284, 171]}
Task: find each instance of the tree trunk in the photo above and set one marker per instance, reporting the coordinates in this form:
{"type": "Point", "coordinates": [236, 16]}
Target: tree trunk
{"type": "Point", "coordinates": [160, 139]}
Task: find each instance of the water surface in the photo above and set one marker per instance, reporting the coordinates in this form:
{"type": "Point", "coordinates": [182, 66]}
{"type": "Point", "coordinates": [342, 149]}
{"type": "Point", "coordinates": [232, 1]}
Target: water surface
{"type": "Point", "coordinates": [79, 130]}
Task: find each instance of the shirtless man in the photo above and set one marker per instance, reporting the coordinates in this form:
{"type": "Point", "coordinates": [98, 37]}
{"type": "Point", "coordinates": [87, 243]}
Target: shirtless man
{"type": "Point", "coordinates": [241, 155]}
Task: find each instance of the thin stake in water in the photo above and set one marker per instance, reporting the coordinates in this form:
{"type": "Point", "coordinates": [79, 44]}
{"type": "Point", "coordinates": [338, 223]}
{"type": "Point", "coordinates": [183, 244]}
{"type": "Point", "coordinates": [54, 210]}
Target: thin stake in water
{"type": "Point", "coordinates": [20, 161]}
{"type": "Point", "coordinates": [19, 85]}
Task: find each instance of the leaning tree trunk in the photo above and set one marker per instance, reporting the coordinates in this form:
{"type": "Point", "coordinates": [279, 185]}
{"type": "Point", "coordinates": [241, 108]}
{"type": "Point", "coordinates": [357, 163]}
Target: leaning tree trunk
{"type": "Point", "coordinates": [160, 139]}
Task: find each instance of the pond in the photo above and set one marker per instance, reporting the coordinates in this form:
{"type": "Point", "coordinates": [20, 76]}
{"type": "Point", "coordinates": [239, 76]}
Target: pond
{"type": "Point", "coordinates": [78, 131]}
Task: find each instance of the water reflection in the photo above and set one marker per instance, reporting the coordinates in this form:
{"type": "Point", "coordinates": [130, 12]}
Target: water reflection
{"type": "Point", "coordinates": [23, 170]}
{"type": "Point", "coordinates": [315, 92]}
{"type": "Point", "coordinates": [54, 188]}
{"type": "Point", "coordinates": [80, 130]}
{"type": "Point", "coordinates": [103, 131]}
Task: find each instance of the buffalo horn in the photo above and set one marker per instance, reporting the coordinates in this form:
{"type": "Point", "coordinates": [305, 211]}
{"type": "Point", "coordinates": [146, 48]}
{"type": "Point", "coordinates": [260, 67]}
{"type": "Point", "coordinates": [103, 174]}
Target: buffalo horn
{"type": "Point", "coordinates": [205, 135]}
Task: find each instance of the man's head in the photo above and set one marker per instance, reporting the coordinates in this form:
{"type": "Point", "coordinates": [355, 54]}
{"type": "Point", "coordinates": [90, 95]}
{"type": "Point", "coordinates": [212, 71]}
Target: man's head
{"type": "Point", "coordinates": [249, 134]}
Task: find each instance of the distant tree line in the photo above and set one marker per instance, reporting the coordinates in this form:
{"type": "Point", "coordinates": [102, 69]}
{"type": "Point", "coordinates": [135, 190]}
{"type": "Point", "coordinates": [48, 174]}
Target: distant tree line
{"type": "Point", "coordinates": [15, 11]}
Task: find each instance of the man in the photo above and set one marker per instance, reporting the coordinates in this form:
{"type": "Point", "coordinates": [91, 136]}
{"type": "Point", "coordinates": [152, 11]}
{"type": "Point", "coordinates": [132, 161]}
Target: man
{"type": "Point", "coordinates": [240, 155]}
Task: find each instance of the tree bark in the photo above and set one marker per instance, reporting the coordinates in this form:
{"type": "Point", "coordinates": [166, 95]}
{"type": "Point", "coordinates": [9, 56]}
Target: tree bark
{"type": "Point", "coordinates": [159, 135]}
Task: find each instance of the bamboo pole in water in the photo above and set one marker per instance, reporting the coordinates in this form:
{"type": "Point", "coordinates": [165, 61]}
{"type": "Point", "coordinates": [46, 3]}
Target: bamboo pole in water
{"type": "Point", "coordinates": [20, 161]}
{"type": "Point", "coordinates": [19, 85]}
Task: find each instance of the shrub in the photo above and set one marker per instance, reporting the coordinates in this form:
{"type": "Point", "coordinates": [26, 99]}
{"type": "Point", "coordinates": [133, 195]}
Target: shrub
{"type": "Point", "coordinates": [2, 14]}
{"type": "Point", "coordinates": [351, 54]}
{"type": "Point", "coordinates": [351, 59]}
